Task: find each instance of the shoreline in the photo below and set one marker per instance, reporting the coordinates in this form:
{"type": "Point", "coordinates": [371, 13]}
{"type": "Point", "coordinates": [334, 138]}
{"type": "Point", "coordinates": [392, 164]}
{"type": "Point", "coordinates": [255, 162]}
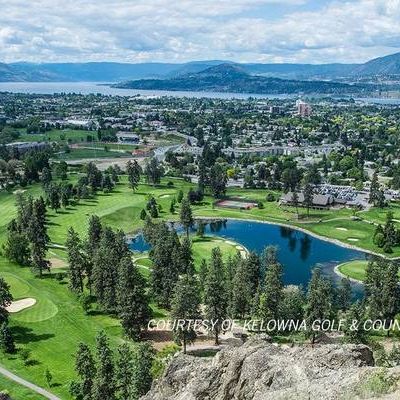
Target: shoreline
{"type": "Point", "coordinates": [300, 229]}
{"type": "Point", "coordinates": [342, 275]}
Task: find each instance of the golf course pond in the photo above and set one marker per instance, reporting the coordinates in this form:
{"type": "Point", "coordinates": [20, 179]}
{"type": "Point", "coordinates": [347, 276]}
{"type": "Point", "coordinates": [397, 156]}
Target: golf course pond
{"type": "Point", "coordinates": [299, 252]}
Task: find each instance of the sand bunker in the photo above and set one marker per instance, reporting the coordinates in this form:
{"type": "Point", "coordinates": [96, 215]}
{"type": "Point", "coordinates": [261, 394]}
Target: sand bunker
{"type": "Point", "coordinates": [163, 196]}
{"type": "Point", "coordinates": [57, 263]}
{"type": "Point", "coordinates": [342, 229]}
{"type": "Point", "coordinates": [20, 305]}
{"type": "Point", "coordinates": [352, 240]}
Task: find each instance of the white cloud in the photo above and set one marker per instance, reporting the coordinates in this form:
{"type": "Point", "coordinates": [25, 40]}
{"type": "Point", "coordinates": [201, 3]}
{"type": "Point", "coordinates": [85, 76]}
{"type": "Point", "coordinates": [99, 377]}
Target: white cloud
{"type": "Point", "coordinates": [161, 30]}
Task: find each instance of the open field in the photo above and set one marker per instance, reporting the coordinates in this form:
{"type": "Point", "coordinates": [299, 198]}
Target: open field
{"type": "Point", "coordinates": [52, 328]}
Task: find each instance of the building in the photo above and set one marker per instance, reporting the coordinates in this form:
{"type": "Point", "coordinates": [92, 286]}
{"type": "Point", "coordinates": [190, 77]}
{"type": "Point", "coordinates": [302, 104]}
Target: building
{"type": "Point", "coordinates": [127, 137]}
{"type": "Point", "coordinates": [24, 147]}
{"type": "Point", "coordinates": [303, 109]}
{"type": "Point", "coordinates": [320, 201]}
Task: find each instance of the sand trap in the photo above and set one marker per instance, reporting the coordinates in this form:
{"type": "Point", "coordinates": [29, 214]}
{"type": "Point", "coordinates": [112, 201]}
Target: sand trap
{"type": "Point", "coordinates": [163, 196]}
{"type": "Point", "coordinates": [230, 242]}
{"type": "Point", "coordinates": [57, 263]}
{"type": "Point", "coordinates": [19, 191]}
{"type": "Point", "coordinates": [20, 305]}
{"type": "Point", "coordinates": [352, 240]}
{"type": "Point", "coordinates": [342, 229]}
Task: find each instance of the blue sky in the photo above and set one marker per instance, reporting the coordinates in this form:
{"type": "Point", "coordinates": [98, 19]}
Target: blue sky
{"type": "Point", "coordinates": [304, 31]}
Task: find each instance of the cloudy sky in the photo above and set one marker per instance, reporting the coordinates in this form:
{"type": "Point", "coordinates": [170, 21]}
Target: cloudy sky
{"type": "Point", "coordinates": [313, 31]}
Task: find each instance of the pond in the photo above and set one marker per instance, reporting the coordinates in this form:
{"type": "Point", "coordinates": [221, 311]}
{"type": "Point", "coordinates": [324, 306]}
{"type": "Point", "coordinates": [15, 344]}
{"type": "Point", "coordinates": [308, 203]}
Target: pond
{"type": "Point", "coordinates": [297, 251]}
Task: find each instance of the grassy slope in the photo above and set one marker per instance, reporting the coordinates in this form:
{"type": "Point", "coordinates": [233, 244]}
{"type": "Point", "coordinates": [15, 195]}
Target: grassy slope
{"type": "Point", "coordinates": [52, 328]}
{"type": "Point", "coordinates": [16, 391]}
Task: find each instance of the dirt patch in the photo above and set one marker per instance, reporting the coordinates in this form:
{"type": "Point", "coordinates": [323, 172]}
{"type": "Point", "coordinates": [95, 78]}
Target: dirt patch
{"type": "Point", "coordinates": [20, 305]}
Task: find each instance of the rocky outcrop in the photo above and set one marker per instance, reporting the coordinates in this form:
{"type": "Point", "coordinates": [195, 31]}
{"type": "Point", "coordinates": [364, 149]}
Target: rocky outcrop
{"type": "Point", "coordinates": [259, 370]}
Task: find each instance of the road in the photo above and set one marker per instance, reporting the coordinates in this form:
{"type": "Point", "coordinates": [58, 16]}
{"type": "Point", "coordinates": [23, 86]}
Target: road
{"type": "Point", "coordinates": [28, 385]}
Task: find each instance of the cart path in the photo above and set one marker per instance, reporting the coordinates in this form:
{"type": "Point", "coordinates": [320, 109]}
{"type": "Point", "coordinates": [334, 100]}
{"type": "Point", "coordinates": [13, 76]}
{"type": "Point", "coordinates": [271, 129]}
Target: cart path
{"type": "Point", "coordinates": [27, 384]}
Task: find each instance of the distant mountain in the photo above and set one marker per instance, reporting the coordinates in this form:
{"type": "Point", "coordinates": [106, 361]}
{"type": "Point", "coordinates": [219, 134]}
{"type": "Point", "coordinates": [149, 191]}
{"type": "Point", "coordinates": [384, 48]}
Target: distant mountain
{"type": "Point", "coordinates": [118, 72]}
{"type": "Point", "coordinates": [233, 78]}
{"type": "Point", "coordinates": [382, 66]}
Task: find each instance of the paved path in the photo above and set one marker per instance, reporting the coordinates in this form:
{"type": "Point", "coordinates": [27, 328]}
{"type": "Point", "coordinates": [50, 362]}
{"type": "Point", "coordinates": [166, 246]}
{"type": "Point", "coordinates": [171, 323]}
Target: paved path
{"type": "Point", "coordinates": [29, 385]}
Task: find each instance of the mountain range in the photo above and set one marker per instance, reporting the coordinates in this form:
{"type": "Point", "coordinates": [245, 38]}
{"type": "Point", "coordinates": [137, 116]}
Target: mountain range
{"type": "Point", "coordinates": [388, 66]}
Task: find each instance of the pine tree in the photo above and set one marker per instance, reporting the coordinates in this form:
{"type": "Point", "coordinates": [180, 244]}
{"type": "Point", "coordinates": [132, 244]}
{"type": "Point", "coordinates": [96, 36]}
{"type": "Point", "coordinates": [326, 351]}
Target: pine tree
{"type": "Point", "coordinates": [292, 304]}
{"type": "Point", "coordinates": [271, 298]}
{"type": "Point", "coordinates": [241, 292]}
{"type": "Point", "coordinates": [354, 331]}
{"type": "Point", "coordinates": [186, 264]}
{"type": "Point", "coordinates": [143, 356]}
{"type": "Point", "coordinates": [319, 303]}
{"type": "Point", "coordinates": [215, 295]}
{"type": "Point", "coordinates": [134, 171]}
{"type": "Point", "coordinates": [186, 217]}
{"type": "Point", "coordinates": [153, 171]}
{"type": "Point", "coordinates": [46, 177]}
{"type": "Point", "coordinates": [381, 289]}
{"type": "Point", "coordinates": [5, 300]}
{"type": "Point", "coordinates": [344, 295]}
{"type": "Point", "coordinates": [202, 274]}
{"type": "Point", "coordinates": [143, 214]}
{"type": "Point", "coordinates": [374, 189]}
{"type": "Point", "coordinates": [104, 383]}
{"type": "Point", "coordinates": [185, 306]}
{"type": "Point", "coordinates": [124, 373]}
{"type": "Point", "coordinates": [6, 339]}
{"type": "Point", "coordinates": [308, 197]}
{"type": "Point", "coordinates": [85, 367]}
{"type": "Point", "coordinates": [17, 248]}
{"type": "Point", "coordinates": [132, 302]}
{"type": "Point", "coordinates": [76, 261]}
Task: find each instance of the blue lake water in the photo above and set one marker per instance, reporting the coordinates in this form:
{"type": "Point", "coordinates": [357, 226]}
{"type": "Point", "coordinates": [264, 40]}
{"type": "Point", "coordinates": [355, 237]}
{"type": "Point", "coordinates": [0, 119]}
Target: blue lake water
{"type": "Point", "coordinates": [297, 251]}
{"type": "Point", "coordinates": [103, 88]}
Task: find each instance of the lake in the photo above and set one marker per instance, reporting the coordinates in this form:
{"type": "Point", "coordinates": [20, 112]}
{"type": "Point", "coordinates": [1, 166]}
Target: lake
{"type": "Point", "coordinates": [297, 251]}
{"type": "Point", "coordinates": [101, 87]}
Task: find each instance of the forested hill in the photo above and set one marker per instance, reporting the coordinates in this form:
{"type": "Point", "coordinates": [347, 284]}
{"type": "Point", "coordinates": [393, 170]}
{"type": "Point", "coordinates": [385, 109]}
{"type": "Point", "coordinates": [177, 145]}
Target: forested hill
{"type": "Point", "coordinates": [234, 79]}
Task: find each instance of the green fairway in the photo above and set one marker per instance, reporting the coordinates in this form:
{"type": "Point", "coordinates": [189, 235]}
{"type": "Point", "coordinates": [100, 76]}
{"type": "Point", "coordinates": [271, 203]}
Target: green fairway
{"type": "Point", "coordinates": [75, 154]}
{"type": "Point", "coordinates": [16, 391]}
{"type": "Point", "coordinates": [53, 327]}
{"type": "Point", "coordinates": [354, 269]}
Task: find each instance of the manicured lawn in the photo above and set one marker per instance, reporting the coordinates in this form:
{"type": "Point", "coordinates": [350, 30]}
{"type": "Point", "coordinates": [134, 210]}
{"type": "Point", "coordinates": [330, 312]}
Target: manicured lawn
{"type": "Point", "coordinates": [16, 391]}
{"type": "Point", "coordinates": [58, 135]}
{"type": "Point", "coordinates": [354, 269]}
{"type": "Point", "coordinates": [52, 328]}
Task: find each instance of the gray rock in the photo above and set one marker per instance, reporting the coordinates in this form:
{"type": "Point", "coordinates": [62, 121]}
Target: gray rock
{"type": "Point", "coordinates": [259, 370]}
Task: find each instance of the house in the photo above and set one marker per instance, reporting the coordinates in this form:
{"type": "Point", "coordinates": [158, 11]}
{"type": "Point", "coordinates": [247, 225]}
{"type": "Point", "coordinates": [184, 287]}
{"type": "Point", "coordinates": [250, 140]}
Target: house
{"type": "Point", "coordinates": [320, 201]}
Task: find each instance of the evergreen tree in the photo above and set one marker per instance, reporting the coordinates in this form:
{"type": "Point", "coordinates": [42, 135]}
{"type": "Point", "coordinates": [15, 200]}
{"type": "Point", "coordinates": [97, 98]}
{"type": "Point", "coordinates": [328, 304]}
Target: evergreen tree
{"type": "Point", "coordinates": [381, 289]}
{"type": "Point", "coordinates": [5, 300]}
{"type": "Point", "coordinates": [134, 171]}
{"type": "Point", "coordinates": [292, 304]}
{"type": "Point", "coordinates": [186, 217]}
{"type": "Point", "coordinates": [17, 248]}
{"type": "Point", "coordinates": [319, 302]}
{"type": "Point", "coordinates": [132, 302]}
{"type": "Point", "coordinates": [308, 197]}
{"type": "Point", "coordinates": [104, 383]}
{"type": "Point", "coordinates": [215, 295]}
{"type": "Point", "coordinates": [143, 214]}
{"type": "Point", "coordinates": [241, 292]}
{"type": "Point", "coordinates": [180, 196]}
{"type": "Point", "coordinates": [6, 339]}
{"type": "Point", "coordinates": [186, 263]}
{"type": "Point", "coordinates": [46, 177]}
{"type": "Point", "coordinates": [354, 331]}
{"type": "Point", "coordinates": [185, 307]}
{"type": "Point", "coordinates": [271, 298]}
{"type": "Point", "coordinates": [218, 180]}
{"type": "Point", "coordinates": [143, 357]}
{"type": "Point", "coordinates": [76, 261]}
{"type": "Point", "coordinates": [374, 189]}
{"type": "Point", "coordinates": [86, 369]}
{"type": "Point", "coordinates": [124, 371]}
{"type": "Point", "coordinates": [202, 274]}
{"type": "Point", "coordinates": [343, 294]}
{"type": "Point", "coordinates": [153, 171]}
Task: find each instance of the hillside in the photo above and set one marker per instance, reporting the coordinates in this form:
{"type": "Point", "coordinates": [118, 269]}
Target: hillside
{"type": "Point", "coordinates": [383, 66]}
{"type": "Point", "coordinates": [233, 78]}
